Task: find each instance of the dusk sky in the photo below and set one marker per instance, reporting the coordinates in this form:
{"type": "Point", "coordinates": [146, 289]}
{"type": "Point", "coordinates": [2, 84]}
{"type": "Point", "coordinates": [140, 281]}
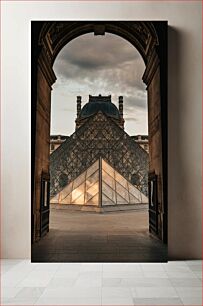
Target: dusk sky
{"type": "Point", "coordinates": [99, 65]}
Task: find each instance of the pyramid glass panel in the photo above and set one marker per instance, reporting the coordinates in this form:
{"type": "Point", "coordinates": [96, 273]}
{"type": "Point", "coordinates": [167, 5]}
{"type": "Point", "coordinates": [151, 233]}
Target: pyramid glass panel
{"type": "Point", "coordinates": [93, 168]}
{"type": "Point", "coordinates": [94, 200]}
{"type": "Point", "coordinates": [116, 189]}
{"type": "Point", "coordinates": [108, 168]}
{"type": "Point", "coordinates": [109, 180]}
{"type": "Point", "coordinates": [92, 191]}
{"type": "Point", "coordinates": [133, 200]}
{"type": "Point", "coordinates": [106, 201]}
{"type": "Point", "coordinates": [121, 200]}
{"type": "Point", "coordinates": [76, 193]}
{"type": "Point", "coordinates": [91, 179]}
{"type": "Point", "coordinates": [135, 192]}
{"type": "Point", "coordinates": [66, 191]}
{"type": "Point", "coordinates": [144, 199]}
{"type": "Point", "coordinates": [55, 200]}
{"type": "Point", "coordinates": [66, 200]}
{"type": "Point", "coordinates": [120, 179]}
{"type": "Point", "coordinates": [99, 182]}
{"type": "Point", "coordinates": [109, 192]}
{"type": "Point", "coordinates": [123, 192]}
{"type": "Point", "coordinates": [79, 180]}
{"type": "Point", "coordinates": [79, 200]}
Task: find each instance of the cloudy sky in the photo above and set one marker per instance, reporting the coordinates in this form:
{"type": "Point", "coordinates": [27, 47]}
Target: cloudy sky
{"type": "Point", "coordinates": [99, 65]}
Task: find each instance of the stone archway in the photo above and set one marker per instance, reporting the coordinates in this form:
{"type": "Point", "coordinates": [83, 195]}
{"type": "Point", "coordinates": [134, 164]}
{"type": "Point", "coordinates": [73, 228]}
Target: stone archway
{"type": "Point", "coordinates": [48, 38]}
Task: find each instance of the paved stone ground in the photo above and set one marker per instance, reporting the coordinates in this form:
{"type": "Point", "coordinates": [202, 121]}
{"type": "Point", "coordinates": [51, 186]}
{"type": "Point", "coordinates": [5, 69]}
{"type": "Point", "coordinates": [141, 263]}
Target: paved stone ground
{"type": "Point", "coordinates": [93, 237]}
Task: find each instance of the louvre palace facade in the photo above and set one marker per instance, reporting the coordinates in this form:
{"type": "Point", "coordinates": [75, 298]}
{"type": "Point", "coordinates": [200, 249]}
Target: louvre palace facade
{"type": "Point", "coordinates": [99, 166]}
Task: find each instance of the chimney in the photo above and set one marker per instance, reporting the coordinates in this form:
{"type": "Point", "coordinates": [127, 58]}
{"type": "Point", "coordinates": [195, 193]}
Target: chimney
{"type": "Point", "coordinates": [120, 101]}
{"type": "Point", "coordinates": [79, 102]}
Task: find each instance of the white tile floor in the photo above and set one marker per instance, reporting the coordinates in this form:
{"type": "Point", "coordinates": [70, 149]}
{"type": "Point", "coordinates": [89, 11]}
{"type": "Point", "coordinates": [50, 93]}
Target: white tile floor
{"type": "Point", "coordinates": [173, 283]}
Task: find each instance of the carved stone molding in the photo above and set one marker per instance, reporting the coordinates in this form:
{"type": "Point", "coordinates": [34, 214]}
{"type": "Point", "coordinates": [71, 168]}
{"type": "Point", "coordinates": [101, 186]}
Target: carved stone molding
{"type": "Point", "coordinates": [155, 126]}
{"type": "Point", "coordinates": [46, 68]}
{"type": "Point", "coordinates": [151, 67]}
{"type": "Point", "coordinates": [55, 35]}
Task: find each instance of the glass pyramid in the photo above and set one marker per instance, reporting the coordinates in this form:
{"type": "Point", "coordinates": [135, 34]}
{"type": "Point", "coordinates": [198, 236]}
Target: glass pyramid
{"type": "Point", "coordinates": [100, 185]}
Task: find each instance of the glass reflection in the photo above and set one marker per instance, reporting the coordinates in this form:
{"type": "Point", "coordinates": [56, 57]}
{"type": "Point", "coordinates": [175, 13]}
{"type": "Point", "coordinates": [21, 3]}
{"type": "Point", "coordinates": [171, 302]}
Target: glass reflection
{"type": "Point", "coordinates": [86, 188]}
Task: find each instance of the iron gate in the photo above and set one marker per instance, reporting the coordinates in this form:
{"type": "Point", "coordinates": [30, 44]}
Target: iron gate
{"type": "Point", "coordinates": [44, 203]}
{"type": "Point", "coordinates": [153, 203]}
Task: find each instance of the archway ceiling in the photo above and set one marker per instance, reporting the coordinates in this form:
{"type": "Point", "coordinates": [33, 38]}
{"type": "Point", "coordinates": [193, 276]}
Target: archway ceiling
{"type": "Point", "coordinates": [55, 35]}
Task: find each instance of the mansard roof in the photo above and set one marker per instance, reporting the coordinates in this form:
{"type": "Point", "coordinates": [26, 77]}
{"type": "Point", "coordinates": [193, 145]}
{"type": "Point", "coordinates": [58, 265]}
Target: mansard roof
{"type": "Point", "coordinates": [99, 103]}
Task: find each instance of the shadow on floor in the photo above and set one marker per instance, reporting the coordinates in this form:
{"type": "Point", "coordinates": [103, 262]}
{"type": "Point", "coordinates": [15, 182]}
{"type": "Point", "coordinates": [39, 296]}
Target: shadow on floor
{"type": "Point", "coordinates": [93, 237]}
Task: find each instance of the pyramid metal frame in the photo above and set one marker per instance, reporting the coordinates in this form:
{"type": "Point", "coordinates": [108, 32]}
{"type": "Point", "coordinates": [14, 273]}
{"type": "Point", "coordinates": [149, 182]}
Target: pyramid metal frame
{"type": "Point", "coordinates": [99, 185]}
{"type": "Point", "coordinates": [98, 137]}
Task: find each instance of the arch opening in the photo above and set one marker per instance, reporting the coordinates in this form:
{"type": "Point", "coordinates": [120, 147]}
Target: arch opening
{"type": "Point", "coordinates": [52, 36]}
{"type": "Point", "coordinates": [106, 65]}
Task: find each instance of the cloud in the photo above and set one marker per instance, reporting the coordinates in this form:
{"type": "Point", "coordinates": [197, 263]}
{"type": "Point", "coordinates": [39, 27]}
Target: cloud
{"type": "Point", "coordinates": [67, 109]}
{"type": "Point", "coordinates": [131, 119]}
{"type": "Point", "coordinates": [108, 51]}
{"type": "Point", "coordinates": [100, 65]}
{"type": "Point", "coordinates": [135, 101]}
{"type": "Point", "coordinates": [106, 58]}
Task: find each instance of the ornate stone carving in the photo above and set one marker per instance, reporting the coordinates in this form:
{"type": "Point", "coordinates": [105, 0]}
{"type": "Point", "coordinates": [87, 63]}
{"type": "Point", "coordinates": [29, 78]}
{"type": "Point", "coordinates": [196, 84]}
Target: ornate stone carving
{"type": "Point", "coordinates": [140, 33]}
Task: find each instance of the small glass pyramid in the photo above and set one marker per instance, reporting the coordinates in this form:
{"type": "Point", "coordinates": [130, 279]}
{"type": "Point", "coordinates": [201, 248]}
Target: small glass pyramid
{"type": "Point", "coordinates": [100, 185]}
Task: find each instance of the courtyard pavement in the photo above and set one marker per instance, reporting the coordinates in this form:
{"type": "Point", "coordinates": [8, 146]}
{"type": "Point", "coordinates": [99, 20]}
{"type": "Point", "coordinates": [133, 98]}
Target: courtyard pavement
{"type": "Point", "coordinates": [95, 237]}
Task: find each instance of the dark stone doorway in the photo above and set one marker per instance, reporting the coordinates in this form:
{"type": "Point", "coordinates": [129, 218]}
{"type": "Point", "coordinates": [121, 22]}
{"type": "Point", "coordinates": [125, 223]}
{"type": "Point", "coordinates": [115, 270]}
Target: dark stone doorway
{"type": "Point", "coordinates": [150, 38]}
